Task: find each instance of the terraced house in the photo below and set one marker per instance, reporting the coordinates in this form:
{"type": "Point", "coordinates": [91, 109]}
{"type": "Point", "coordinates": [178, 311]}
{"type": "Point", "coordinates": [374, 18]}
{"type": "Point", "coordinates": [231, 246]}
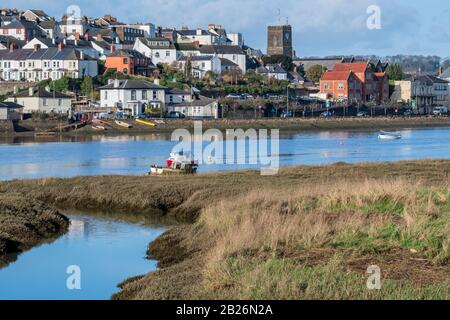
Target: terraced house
{"type": "Point", "coordinates": [41, 64]}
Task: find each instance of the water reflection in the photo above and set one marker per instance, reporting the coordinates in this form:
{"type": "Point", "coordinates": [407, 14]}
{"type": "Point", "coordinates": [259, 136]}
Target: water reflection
{"type": "Point", "coordinates": [107, 250]}
{"type": "Point", "coordinates": [132, 155]}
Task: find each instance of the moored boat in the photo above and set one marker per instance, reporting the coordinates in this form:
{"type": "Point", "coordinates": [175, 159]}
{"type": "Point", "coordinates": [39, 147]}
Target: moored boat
{"type": "Point", "coordinates": [389, 136]}
{"type": "Point", "coordinates": [147, 123]}
{"type": "Point", "coordinates": [123, 124]}
{"type": "Point", "coordinates": [179, 163]}
{"type": "Point", "coordinates": [100, 128]}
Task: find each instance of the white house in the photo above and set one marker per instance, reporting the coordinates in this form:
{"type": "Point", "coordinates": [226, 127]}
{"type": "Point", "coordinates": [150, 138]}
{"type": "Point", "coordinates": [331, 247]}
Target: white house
{"type": "Point", "coordinates": [10, 111]}
{"type": "Point", "coordinates": [132, 96]}
{"type": "Point", "coordinates": [42, 64]}
{"type": "Point", "coordinates": [232, 53]}
{"type": "Point", "coordinates": [42, 100]}
{"type": "Point", "coordinates": [273, 71]}
{"type": "Point", "coordinates": [191, 104]}
{"type": "Point", "coordinates": [200, 65]}
{"type": "Point", "coordinates": [159, 50]}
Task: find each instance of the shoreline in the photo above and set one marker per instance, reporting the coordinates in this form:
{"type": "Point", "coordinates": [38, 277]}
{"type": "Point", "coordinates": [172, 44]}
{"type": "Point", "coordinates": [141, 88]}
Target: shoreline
{"type": "Point", "coordinates": [296, 125]}
{"type": "Point", "coordinates": [187, 248]}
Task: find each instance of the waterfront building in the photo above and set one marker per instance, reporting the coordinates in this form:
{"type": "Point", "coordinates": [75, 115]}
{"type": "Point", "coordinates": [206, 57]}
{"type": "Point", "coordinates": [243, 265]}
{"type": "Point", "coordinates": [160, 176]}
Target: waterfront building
{"type": "Point", "coordinates": [42, 100]}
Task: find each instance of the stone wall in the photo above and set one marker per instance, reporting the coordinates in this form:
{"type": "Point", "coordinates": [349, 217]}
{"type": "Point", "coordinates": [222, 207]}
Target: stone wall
{"type": "Point", "coordinates": [7, 87]}
{"type": "Point", "coordinates": [6, 126]}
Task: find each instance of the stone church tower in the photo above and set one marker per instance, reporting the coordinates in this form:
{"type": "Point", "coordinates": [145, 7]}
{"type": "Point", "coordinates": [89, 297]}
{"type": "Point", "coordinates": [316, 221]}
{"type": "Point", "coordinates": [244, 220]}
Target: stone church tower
{"type": "Point", "coordinates": [280, 41]}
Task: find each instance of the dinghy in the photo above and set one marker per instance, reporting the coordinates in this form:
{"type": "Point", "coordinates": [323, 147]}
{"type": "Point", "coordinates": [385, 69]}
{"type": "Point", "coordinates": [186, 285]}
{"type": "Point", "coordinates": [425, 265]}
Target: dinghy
{"type": "Point", "coordinates": [389, 136]}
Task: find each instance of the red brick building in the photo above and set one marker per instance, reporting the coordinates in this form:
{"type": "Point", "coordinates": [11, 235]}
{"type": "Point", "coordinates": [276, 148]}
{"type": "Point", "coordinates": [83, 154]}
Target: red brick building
{"type": "Point", "coordinates": [356, 82]}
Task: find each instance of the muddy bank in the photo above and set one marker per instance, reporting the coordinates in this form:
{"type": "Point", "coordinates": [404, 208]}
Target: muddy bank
{"type": "Point", "coordinates": [28, 128]}
{"type": "Point", "coordinates": [25, 223]}
{"type": "Point", "coordinates": [306, 233]}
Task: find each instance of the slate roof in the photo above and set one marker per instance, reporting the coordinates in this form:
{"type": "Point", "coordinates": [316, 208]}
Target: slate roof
{"type": "Point", "coordinates": [221, 49]}
{"type": "Point", "coordinates": [186, 47]}
{"type": "Point", "coordinates": [20, 24]}
{"type": "Point", "coordinates": [41, 93]}
{"type": "Point", "coordinates": [271, 68]}
{"type": "Point", "coordinates": [51, 53]}
{"type": "Point", "coordinates": [227, 63]}
{"type": "Point", "coordinates": [126, 53]}
{"type": "Point", "coordinates": [134, 84]}
{"type": "Point", "coordinates": [10, 105]}
{"type": "Point", "coordinates": [148, 43]}
{"type": "Point", "coordinates": [446, 74]}
{"type": "Point", "coordinates": [197, 58]}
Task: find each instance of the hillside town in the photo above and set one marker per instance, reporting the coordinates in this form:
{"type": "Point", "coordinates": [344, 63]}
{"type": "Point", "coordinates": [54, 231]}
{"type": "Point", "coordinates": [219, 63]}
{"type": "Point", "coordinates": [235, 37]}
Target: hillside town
{"type": "Point", "coordinates": [101, 68]}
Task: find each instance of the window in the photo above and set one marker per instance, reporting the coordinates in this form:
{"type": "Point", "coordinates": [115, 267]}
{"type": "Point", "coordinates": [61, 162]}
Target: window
{"type": "Point", "coordinates": [167, 53]}
{"type": "Point", "coordinates": [125, 60]}
{"type": "Point", "coordinates": [157, 54]}
{"type": "Point", "coordinates": [183, 98]}
{"type": "Point", "coordinates": [133, 94]}
{"type": "Point", "coordinates": [155, 95]}
{"type": "Point", "coordinates": [341, 85]}
{"type": "Point", "coordinates": [106, 95]}
{"type": "Point", "coordinates": [144, 94]}
{"type": "Point", "coordinates": [171, 99]}
{"type": "Point", "coordinates": [44, 102]}
{"type": "Point", "coordinates": [59, 102]}
{"type": "Point", "coordinates": [326, 86]}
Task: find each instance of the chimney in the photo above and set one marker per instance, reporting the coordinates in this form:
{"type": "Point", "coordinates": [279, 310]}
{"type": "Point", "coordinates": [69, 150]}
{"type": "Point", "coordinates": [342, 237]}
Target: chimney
{"type": "Point", "coordinates": [11, 47]}
{"type": "Point", "coordinates": [60, 46]}
{"type": "Point", "coordinates": [65, 42]}
{"type": "Point", "coordinates": [31, 91]}
{"type": "Point", "coordinates": [199, 32]}
{"type": "Point", "coordinates": [54, 41]}
{"type": "Point", "coordinates": [86, 36]}
{"type": "Point", "coordinates": [36, 47]}
{"type": "Point", "coordinates": [77, 36]}
{"type": "Point", "coordinates": [113, 48]}
{"type": "Point", "coordinates": [116, 83]}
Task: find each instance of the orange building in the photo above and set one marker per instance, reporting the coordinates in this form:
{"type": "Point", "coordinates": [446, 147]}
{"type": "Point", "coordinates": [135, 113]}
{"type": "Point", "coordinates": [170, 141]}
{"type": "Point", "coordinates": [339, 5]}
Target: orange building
{"type": "Point", "coordinates": [129, 62]}
{"type": "Point", "coordinates": [356, 82]}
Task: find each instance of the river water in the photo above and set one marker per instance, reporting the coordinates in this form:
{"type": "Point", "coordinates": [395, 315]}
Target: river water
{"type": "Point", "coordinates": [132, 155]}
{"type": "Point", "coordinates": [106, 250]}
{"type": "Point", "coordinates": [110, 249]}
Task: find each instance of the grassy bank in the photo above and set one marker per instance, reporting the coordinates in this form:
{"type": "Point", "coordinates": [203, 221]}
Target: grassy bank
{"type": "Point", "coordinates": [286, 125]}
{"type": "Point", "coordinates": [25, 223]}
{"type": "Point", "coordinates": [307, 233]}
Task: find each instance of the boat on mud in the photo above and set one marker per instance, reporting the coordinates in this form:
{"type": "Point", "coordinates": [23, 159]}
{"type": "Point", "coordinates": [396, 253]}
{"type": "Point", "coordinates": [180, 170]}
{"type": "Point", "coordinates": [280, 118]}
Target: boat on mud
{"type": "Point", "coordinates": [179, 163]}
{"type": "Point", "coordinates": [123, 124]}
{"type": "Point", "coordinates": [147, 123]}
{"type": "Point", "coordinates": [99, 128]}
{"type": "Point", "coordinates": [383, 135]}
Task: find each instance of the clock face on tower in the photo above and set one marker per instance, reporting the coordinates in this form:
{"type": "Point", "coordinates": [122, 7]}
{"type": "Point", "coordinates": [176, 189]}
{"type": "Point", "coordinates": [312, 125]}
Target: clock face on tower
{"type": "Point", "coordinates": [287, 36]}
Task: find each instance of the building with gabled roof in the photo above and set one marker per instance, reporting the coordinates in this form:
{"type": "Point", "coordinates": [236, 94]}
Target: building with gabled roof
{"type": "Point", "coordinates": [23, 30]}
{"type": "Point", "coordinates": [39, 64]}
{"type": "Point", "coordinates": [159, 50]}
{"type": "Point", "coordinates": [355, 81]}
{"type": "Point", "coordinates": [42, 100]}
{"type": "Point", "coordinates": [129, 62]}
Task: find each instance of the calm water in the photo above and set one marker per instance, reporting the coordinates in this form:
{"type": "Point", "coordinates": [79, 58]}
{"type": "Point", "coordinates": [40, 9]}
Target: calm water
{"type": "Point", "coordinates": [132, 155]}
{"type": "Point", "coordinates": [107, 250]}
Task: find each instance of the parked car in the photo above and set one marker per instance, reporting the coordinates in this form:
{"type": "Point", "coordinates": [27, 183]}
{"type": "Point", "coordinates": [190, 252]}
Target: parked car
{"type": "Point", "coordinates": [175, 115]}
{"type": "Point", "coordinates": [362, 114]}
{"type": "Point", "coordinates": [440, 111]}
{"type": "Point", "coordinates": [327, 114]}
{"type": "Point", "coordinates": [409, 113]}
{"type": "Point", "coordinates": [234, 96]}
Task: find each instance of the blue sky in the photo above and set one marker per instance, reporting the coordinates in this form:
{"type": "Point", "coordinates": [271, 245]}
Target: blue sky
{"type": "Point", "coordinates": [321, 27]}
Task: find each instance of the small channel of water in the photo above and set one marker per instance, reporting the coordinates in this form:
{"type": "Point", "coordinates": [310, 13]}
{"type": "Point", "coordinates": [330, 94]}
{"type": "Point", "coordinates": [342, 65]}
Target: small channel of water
{"type": "Point", "coordinates": [107, 249]}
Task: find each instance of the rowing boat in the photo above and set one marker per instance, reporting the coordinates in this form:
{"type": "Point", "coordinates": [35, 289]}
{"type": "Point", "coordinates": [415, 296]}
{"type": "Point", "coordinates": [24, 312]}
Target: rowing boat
{"type": "Point", "coordinates": [123, 124]}
{"type": "Point", "coordinates": [151, 124]}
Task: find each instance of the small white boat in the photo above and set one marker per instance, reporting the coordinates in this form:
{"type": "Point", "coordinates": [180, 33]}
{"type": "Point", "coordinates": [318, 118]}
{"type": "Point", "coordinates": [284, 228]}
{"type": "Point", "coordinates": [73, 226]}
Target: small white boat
{"type": "Point", "coordinates": [100, 128]}
{"type": "Point", "coordinates": [123, 124]}
{"type": "Point", "coordinates": [389, 136]}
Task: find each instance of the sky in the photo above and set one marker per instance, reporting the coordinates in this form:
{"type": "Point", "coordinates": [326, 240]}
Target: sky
{"type": "Point", "coordinates": [321, 27]}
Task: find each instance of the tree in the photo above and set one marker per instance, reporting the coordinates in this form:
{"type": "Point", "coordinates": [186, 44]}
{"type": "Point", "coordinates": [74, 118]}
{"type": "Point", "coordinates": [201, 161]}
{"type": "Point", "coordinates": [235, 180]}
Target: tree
{"type": "Point", "coordinates": [87, 86]}
{"type": "Point", "coordinates": [316, 72]}
{"type": "Point", "coordinates": [61, 84]}
{"type": "Point", "coordinates": [394, 72]}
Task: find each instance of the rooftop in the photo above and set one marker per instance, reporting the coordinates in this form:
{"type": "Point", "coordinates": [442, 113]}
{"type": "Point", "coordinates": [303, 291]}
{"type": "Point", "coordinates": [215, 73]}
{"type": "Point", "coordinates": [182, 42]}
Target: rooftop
{"type": "Point", "coordinates": [132, 84]}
